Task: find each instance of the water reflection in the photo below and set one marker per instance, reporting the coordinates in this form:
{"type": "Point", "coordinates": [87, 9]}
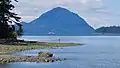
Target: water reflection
{"type": "Point", "coordinates": [4, 65]}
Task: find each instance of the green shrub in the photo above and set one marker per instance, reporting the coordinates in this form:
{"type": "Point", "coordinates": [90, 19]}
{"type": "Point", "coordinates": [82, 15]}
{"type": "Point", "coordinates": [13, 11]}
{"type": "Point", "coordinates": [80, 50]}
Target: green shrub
{"type": "Point", "coordinates": [45, 54]}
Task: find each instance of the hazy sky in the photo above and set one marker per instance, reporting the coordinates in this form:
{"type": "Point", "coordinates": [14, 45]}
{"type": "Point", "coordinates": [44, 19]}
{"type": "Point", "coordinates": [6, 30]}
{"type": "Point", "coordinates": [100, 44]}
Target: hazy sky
{"type": "Point", "coordinates": [96, 12]}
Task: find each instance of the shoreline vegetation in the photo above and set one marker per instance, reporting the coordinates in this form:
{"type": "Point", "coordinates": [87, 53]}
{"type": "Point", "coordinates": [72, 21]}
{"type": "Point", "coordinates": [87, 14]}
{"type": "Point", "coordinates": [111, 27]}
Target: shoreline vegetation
{"type": "Point", "coordinates": [7, 49]}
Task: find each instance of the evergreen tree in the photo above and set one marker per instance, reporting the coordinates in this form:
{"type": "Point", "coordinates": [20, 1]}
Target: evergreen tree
{"type": "Point", "coordinates": [6, 17]}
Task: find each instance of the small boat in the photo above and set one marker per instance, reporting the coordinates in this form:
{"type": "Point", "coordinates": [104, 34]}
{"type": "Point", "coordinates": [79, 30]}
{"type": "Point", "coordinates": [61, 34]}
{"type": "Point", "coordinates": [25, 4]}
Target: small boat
{"type": "Point", "coordinates": [51, 33]}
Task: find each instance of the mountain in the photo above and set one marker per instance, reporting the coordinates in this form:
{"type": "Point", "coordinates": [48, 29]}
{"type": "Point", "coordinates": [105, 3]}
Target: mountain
{"type": "Point", "coordinates": [110, 29]}
{"type": "Point", "coordinates": [59, 22]}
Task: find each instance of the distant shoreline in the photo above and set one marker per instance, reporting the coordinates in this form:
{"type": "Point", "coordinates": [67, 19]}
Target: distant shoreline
{"type": "Point", "coordinates": [93, 34]}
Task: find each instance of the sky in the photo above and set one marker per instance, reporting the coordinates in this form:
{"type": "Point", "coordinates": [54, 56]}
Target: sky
{"type": "Point", "coordinates": [97, 13]}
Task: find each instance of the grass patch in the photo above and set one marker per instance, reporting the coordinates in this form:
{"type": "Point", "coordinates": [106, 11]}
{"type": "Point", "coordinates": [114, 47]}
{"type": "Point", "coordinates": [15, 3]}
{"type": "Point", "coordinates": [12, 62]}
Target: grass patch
{"type": "Point", "coordinates": [5, 49]}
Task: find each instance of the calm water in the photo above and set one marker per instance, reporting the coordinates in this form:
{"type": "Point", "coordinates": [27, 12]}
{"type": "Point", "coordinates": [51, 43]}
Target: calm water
{"type": "Point", "coordinates": [98, 52]}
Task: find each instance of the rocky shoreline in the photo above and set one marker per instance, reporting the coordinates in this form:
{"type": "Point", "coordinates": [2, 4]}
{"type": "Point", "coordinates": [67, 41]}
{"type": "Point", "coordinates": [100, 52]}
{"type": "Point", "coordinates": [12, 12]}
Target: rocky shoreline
{"type": "Point", "coordinates": [6, 50]}
{"type": "Point", "coordinates": [9, 59]}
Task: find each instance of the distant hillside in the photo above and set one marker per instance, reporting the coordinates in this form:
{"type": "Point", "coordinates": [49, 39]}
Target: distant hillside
{"type": "Point", "coordinates": [111, 29]}
{"type": "Point", "coordinates": [59, 22]}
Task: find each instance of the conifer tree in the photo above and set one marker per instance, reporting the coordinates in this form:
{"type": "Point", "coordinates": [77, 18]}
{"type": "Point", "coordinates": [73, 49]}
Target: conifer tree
{"type": "Point", "coordinates": [7, 16]}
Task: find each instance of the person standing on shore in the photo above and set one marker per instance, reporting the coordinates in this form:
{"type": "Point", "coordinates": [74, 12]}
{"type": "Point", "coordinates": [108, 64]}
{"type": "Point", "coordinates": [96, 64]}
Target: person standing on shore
{"type": "Point", "coordinates": [59, 40]}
